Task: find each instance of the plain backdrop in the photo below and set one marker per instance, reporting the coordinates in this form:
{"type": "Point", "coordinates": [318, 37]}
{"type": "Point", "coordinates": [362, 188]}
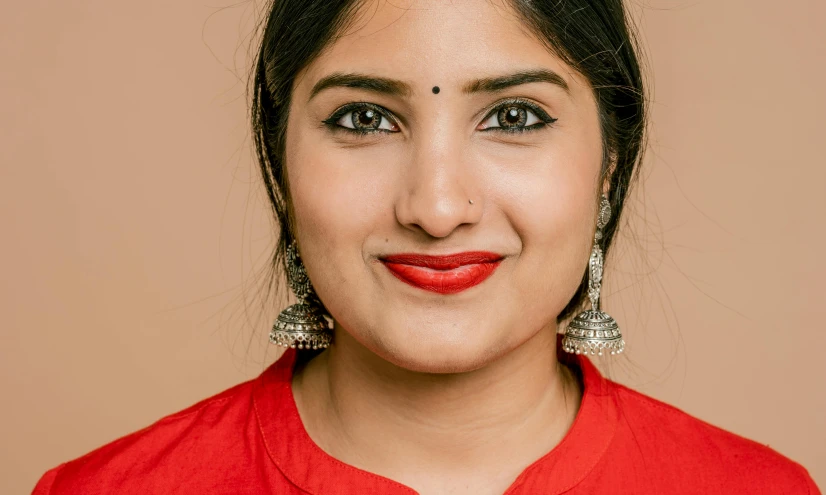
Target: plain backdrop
{"type": "Point", "coordinates": [133, 224]}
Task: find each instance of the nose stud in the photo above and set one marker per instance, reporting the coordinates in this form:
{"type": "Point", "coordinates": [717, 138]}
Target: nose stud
{"type": "Point", "coordinates": [470, 201]}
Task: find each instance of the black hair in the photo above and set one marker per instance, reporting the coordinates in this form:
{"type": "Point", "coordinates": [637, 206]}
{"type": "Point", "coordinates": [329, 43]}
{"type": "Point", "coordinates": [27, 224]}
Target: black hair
{"type": "Point", "coordinates": [596, 38]}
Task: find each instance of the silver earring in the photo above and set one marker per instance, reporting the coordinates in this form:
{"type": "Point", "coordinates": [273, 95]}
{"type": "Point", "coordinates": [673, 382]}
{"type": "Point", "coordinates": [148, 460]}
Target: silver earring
{"type": "Point", "coordinates": [302, 325]}
{"type": "Point", "coordinates": [594, 331]}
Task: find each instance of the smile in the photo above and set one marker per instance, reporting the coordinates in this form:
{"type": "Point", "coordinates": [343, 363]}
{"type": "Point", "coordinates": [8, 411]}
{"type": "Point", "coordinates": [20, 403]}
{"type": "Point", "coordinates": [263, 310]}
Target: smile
{"type": "Point", "coordinates": [443, 274]}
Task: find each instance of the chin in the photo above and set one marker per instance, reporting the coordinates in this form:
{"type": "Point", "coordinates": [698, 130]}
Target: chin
{"type": "Point", "coordinates": [436, 352]}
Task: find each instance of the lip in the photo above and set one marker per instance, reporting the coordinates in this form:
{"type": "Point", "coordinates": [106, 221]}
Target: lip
{"type": "Point", "coordinates": [447, 274]}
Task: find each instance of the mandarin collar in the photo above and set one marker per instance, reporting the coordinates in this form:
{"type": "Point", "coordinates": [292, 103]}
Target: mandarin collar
{"type": "Point", "coordinates": [311, 469]}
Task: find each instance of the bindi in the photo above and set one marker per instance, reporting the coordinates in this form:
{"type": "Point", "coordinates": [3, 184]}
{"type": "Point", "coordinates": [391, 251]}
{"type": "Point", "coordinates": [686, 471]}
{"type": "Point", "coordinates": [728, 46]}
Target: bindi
{"type": "Point", "coordinates": [435, 90]}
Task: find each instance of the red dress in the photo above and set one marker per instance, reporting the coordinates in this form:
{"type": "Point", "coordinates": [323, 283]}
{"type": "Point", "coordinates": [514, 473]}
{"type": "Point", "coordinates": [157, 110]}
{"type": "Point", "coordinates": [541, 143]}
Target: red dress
{"type": "Point", "coordinates": [250, 440]}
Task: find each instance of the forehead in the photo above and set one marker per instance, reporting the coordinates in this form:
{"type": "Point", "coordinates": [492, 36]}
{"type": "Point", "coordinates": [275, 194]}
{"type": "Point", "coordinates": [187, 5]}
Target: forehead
{"type": "Point", "coordinates": [436, 42]}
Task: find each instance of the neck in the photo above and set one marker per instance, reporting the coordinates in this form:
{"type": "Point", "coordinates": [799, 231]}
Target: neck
{"type": "Point", "coordinates": [388, 420]}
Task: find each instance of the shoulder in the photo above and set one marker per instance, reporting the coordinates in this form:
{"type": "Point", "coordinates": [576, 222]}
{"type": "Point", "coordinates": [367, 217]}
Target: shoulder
{"type": "Point", "coordinates": [675, 441]}
{"type": "Point", "coordinates": [159, 454]}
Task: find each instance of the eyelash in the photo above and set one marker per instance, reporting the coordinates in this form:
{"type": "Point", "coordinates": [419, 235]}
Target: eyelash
{"type": "Point", "coordinates": [544, 119]}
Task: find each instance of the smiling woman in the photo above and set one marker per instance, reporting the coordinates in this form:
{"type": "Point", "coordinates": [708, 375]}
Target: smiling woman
{"type": "Point", "coordinates": [447, 178]}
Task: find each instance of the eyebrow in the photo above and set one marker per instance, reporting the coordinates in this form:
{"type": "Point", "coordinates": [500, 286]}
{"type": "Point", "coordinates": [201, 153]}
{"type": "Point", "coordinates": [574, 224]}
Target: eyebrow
{"type": "Point", "coordinates": [499, 83]}
{"type": "Point", "coordinates": [394, 87]}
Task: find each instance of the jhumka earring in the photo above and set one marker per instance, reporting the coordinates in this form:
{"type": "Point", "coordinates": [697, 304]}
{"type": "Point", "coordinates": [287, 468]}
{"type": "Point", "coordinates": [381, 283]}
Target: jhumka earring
{"type": "Point", "coordinates": [594, 331]}
{"type": "Point", "coordinates": [301, 325]}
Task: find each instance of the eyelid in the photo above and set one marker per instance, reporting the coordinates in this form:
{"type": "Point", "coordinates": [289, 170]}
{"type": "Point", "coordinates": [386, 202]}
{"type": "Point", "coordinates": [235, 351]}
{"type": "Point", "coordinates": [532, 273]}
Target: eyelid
{"type": "Point", "coordinates": [343, 110]}
{"type": "Point", "coordinates": [540, 113]}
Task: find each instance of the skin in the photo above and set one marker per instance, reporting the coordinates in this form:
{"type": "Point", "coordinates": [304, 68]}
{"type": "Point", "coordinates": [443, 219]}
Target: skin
{"type": "Point", "coordinates": [443, 393]}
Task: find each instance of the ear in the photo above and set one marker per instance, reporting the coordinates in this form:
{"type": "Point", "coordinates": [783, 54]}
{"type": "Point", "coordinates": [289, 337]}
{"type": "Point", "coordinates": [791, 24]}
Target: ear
{"type": "Point", "coordinates": [608, 173]}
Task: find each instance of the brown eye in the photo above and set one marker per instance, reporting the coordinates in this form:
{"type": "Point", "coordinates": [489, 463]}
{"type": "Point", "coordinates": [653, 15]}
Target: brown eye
{"type": "Point", "coordinates": [364, 119]}
{"type": "Point", "coordinates": [512, 117]}
{"type": "Point", "coordinates": [367, 118]}
{"type": "Point", "coordinates": [516, 116]}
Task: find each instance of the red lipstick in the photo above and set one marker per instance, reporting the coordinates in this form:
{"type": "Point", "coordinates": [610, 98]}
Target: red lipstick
{"type": "Point", "coordinates": [447, 274]}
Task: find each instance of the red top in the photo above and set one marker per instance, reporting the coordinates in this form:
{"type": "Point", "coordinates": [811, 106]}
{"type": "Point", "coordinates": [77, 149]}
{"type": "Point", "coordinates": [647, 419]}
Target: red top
{"type": "Point", "coordinates": [249, 439]}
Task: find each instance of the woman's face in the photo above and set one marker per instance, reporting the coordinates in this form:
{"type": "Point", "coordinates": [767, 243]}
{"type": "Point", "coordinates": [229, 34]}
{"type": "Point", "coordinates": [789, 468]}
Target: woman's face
{"type": "Point", "coordinates": [404, 184]}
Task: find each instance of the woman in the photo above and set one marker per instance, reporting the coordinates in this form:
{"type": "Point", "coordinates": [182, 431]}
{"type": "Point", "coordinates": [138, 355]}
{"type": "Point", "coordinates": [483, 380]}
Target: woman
{"type": "Point", "coordinates": [447, 177]}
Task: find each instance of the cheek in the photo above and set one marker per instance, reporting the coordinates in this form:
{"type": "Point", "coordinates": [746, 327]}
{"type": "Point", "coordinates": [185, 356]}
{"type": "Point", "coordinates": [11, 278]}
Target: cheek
{"type": "Point", "coordinates": [551, 205]}
{"type": "Point", "coordinates": [337, 204]}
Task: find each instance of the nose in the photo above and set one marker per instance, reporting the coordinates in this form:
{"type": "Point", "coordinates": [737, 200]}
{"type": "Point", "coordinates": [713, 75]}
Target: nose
{"type": "Point", "coordinates": [437, 191]}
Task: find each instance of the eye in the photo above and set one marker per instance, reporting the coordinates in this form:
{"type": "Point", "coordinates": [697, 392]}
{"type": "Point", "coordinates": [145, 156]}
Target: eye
{"type": "Point", "coordinates": [362, 118]}
{"type": "Point", "coordinates": [516, 116]}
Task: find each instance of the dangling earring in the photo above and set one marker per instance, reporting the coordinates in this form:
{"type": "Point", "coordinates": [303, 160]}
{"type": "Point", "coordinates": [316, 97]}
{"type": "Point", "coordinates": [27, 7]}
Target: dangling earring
{"type": "Point", "coordinates": [301, 325]}
{"type": "Point", "coordinates": [594, 331]}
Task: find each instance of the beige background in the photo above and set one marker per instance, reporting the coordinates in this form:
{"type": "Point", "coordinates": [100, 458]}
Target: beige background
{"type": "Point", "coordinates": [132, 224]}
